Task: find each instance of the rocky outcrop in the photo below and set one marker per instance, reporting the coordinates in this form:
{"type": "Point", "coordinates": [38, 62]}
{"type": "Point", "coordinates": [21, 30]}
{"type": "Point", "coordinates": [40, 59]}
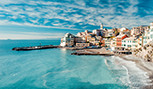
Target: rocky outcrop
{"type": "Point", "coordinates": [145, 52]}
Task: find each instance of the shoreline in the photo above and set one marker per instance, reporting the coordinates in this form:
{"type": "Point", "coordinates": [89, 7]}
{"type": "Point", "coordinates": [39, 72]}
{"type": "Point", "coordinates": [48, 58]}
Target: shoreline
{"type": "Point", "coordinates": [141, 64]}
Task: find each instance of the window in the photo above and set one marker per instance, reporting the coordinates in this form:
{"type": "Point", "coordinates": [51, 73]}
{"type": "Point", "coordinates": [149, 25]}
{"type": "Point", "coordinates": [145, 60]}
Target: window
{"type": "Point", "coordinates": [151, 36]}
{"type": "Point", "coordinates": [144, 37]}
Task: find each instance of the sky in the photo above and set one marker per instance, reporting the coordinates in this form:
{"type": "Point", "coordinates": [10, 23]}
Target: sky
{"type": "Point", "coordinates": [47, 19]}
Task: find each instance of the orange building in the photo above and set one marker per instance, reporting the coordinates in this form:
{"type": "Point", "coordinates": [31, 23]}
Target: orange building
{"type": "Point", "coordinates": [103, 43]}
{"type": "Point", "coordinates": [119, 40]}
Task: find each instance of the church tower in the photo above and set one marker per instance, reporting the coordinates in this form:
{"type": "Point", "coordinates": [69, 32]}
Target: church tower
{"type": "Point", "coordinates": [101, 26]}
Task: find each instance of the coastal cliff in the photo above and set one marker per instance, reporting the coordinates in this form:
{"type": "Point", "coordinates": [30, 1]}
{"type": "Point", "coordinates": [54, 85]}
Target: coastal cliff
{"type": "Point", "coordinates": [145, 52]}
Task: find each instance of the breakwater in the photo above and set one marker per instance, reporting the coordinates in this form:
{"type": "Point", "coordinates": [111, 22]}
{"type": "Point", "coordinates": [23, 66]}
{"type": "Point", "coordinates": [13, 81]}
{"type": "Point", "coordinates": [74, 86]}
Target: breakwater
{"type": "Point", "coordinates": [34, 48]}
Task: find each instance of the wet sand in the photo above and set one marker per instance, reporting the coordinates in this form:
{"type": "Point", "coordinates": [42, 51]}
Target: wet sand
{"type": "Point", "coordinates": [145, 66]}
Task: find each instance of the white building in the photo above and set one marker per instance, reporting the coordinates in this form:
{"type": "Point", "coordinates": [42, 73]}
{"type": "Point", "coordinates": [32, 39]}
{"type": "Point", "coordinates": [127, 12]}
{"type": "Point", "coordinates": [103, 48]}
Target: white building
{"type": "Point", "coordinates": [122, 29]}
{"type": "Point", "coordinates": [129, 43]}
{"type": "Point", "coordinates": [67, 40]}
{"type": "Point", "coordinates": [151, 31]}
{"type": "Point", "coordinates": [148, 35]}
{"type": "Point", "coordinates": [125, 31]}
{"type": "Point", "coordinates": [113, 43]}
{"type": "Point", "coordinates": [132, 32]}
{"type": "Point", "coordinates": [107, 41]}
{"type": "Point", "coordinates": [110, 32]}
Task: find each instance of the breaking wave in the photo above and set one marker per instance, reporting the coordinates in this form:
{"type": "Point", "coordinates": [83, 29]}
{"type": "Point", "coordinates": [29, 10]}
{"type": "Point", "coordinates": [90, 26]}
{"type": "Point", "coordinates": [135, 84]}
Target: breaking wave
{"type": "Point", "coordinates": [129, 73]}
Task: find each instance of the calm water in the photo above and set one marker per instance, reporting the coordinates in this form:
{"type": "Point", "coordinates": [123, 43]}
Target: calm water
{"type": "Point", "coordinates": [57, 69]}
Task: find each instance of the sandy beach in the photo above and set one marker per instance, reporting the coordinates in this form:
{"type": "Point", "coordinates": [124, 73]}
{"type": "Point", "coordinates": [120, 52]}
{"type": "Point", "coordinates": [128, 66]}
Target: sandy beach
{"type": "Point", "coordinates": [145, 66]}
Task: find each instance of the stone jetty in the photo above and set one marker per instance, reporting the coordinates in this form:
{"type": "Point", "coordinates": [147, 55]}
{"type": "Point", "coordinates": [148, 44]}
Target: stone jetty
{"type": "Point", "coordinates": [34, 48]}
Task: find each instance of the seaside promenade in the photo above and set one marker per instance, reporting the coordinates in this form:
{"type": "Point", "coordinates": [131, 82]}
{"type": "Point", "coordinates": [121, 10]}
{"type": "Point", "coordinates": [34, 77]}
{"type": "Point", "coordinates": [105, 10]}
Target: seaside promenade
{"type": "Point", "coordinates": [101, 51]}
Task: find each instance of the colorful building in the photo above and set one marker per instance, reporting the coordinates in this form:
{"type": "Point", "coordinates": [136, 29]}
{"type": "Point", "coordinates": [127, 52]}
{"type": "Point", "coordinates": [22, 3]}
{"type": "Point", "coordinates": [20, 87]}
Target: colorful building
{"type": "Point", "coordinates": [119, 40]}
{"type": "Point", "coordinates": [107, 42]}
{"type": "Point", "coordinates": [102, 43]}
{"type": "Point", "coordinates": [139, 30]}
{"type": "Point", "coordinates": [113, 42]}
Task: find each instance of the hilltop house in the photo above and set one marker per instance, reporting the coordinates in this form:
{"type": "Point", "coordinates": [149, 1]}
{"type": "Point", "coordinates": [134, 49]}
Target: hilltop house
{"type": "Point", "coordinates": [125, 31]}
{"type": "Point", "coordinates": [114, 38]}
{"type": "Point", "coordinates": [138, 30]}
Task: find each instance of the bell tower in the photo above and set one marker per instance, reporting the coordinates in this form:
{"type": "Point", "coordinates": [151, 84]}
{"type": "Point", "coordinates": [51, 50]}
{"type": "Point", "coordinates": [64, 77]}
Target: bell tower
{"type": "Point", "coordinates": [101, 26]}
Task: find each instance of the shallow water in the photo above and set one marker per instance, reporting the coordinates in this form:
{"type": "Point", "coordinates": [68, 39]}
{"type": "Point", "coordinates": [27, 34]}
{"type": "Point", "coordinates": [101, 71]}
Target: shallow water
{"type": "Point", "coordinates": [57, 69]}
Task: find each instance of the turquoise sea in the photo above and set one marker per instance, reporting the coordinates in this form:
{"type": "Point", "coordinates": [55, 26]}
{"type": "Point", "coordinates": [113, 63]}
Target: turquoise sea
{"type": "Point", "coordinates": [57, 69]}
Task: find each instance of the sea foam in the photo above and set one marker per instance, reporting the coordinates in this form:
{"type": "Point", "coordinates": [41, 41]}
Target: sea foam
{"type": "Point", "coordinates": [135, 77]}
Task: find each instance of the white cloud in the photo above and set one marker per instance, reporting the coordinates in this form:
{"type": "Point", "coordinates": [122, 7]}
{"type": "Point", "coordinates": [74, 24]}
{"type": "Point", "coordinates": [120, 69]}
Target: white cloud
{"type": "Point", "coordinates": [89, 15]}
